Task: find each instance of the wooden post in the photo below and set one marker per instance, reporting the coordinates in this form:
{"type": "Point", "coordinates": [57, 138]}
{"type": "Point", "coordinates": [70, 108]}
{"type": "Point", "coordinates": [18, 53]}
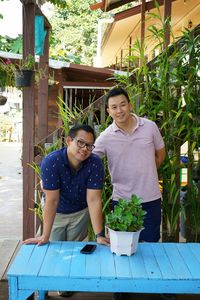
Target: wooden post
{"type": "Point", "coordinates": [43, 91]}
{"type": "Point", "coordinates": [61, 93]}
{"type": "Point", "coordinates": [28, 126]}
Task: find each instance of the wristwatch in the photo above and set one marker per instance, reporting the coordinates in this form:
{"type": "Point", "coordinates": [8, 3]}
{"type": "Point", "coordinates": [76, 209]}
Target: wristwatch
{"type": "Point", "coordinates": [100, 234]}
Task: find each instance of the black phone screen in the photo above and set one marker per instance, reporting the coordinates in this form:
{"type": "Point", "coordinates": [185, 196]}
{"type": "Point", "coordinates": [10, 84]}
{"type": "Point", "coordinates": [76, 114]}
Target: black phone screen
{"type": "Point", "coordinates": [87, 249]}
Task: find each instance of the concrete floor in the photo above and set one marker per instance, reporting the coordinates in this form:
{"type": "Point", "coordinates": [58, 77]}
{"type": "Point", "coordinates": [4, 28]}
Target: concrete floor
{"type": "Point", "coordinates": [10, 191]}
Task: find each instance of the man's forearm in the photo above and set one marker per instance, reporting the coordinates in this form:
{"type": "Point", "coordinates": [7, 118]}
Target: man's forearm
{"type": "Point", "coordinates": [49, 216]}
{"type": "Point", "coordinates": [159, 157]}
{"type": "Point", "coordinates": [95, 210]}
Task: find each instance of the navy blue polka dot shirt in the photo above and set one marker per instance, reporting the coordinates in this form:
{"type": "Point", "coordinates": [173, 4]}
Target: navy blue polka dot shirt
{"type": "Point", "coordinates": [57, 174]}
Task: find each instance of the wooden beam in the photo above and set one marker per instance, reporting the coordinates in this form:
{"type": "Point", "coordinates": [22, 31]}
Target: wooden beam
{"type": "Point", "coordinates": [97, 6]}
{"type": "Point", "coordinates": [28, 126]}
{"type": "Point", "coordinates": [37, 11]}
{"type": "Point", "coordinates": [87, 84]}
{"type": "Point", "coordinates": [167, 14]}
{"type": "Point", "coordinates": [137, 9]}
{"type": "Point", "coordinates": [90, 69]}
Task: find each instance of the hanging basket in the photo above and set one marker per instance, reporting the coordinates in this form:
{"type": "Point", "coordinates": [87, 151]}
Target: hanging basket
{"type": "Point", "coordinates": [24, 78]}
{"type": "Point", "coordinates": [3, 100]}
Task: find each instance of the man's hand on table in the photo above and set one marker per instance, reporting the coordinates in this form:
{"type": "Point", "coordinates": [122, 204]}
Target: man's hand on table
{"type": "Point", "coordinates": [103, 240]}
{"type": "Point", "coordinates": [40, 240]}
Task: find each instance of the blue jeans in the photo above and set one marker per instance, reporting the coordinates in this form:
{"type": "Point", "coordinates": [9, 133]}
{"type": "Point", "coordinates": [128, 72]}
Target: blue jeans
{"type": "Point", "coordinates": [152, 220]}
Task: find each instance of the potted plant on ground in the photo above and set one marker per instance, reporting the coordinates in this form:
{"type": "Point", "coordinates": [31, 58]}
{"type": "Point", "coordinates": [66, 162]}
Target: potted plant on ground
{"type": "Point", "coordinates": [124, 224]}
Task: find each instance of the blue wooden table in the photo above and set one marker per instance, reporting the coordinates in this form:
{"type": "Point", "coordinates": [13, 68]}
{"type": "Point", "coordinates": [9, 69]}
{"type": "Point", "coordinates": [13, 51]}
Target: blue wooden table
{"type": "Point", "coordinates": [154, 268]}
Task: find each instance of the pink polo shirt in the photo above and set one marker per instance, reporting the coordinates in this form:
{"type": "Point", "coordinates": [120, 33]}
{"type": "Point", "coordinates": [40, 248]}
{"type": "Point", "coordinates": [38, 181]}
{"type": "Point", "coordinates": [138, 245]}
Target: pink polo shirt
{"type": "Point", "coordinates": [131, 159]}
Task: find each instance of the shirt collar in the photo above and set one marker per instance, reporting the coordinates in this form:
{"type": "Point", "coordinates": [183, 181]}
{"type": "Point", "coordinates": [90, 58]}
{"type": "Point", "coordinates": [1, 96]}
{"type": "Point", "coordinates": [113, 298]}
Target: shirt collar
{"type": "Point", "coordinates": [65, 156]}
{"type": "Point", "coordinates": [139, 121]}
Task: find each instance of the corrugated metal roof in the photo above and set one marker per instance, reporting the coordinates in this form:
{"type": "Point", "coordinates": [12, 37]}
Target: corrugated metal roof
{"type": "Point", "coordinates": [55, 64]}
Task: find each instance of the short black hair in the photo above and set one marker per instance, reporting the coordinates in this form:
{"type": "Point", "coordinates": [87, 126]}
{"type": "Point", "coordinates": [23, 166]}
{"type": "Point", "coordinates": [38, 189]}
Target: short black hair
{"type": "Point", "coordinates": [116, 91]}
{"type": "Point", "coordinates": [74, 130]}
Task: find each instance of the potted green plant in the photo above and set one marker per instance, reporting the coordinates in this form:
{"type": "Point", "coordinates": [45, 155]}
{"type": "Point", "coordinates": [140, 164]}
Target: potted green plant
{"type": "Point", "coordinates": [124, 224]}
{"type": "Point", "coordinates": [24, 73]}
{"type": "Point", "coordinates": [17, 74]}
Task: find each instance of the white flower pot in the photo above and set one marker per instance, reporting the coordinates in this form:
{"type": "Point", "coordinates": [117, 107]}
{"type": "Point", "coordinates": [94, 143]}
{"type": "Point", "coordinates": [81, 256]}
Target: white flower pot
{"type": "Point", "coordinates": [122, 242]}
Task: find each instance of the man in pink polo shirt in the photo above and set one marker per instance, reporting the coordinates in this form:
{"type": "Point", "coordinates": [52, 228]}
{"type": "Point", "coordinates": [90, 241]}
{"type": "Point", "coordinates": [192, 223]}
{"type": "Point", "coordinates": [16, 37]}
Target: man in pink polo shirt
{"type": "Point", "coordinates": [135, 149]}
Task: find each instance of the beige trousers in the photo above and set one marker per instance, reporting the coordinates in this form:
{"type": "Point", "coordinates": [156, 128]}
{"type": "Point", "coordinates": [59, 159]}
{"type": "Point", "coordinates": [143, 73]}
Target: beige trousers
{"type": "Point", "coordinates": [70, 227]}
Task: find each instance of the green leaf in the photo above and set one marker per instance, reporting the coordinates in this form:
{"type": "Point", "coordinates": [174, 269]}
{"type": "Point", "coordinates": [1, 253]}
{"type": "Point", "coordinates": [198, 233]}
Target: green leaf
{"type": "Point", "coordinates": [181, 129]}
{"type": "Point", "coordinates": [128, 215]}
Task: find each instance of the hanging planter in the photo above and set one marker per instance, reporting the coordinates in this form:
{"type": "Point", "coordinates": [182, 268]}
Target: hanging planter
{"type": "Point", "coordinates": [24, 78]}
{"type": "Point", "coordinates": [3, 100]}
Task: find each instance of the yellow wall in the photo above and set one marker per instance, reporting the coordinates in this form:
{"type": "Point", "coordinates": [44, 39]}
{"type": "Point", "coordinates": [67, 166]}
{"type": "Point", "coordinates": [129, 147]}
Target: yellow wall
{"type": "Point", "coordinates": [118, 36]}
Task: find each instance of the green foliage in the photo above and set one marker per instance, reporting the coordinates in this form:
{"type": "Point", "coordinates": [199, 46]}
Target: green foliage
{"type": "Point", "coordinates": [16, 45]}
{"type": "Point", "coordinates": [28, 63]}
{"type": "Point", "coordinates": [78, 25]}
{"type": "Point", "coordinates": [45, 150]}
{"type": "Point", "coordinates": [38, 209]}
{"type": "Point", "coordinates": [60, 3]}
{"type": "Point", "coordinates": [70, 116]}
{"type": "Point", "coordinates": [36, 169]}
{"type": "Point", "coordinates": [192, 209]}
{"type": "Point", "coordinates": [9, 44]}
{"type": "Point", "coordinates": [7, 70]}
{"type": "Point", "coordinates": [127, 215]}
{"type": "Point", "coordinates": [38, 204]}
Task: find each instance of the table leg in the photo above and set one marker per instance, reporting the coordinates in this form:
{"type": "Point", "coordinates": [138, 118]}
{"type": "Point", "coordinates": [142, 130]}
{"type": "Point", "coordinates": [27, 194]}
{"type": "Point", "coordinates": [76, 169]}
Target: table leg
{"type": "Point", "coordinates": [13, 290]}
{"type": "Point", "coordinates": [41, 295]}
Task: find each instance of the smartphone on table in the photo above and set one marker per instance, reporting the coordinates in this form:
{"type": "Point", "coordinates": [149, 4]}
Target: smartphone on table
{"type": "Point", "coordinates": [88, 248]}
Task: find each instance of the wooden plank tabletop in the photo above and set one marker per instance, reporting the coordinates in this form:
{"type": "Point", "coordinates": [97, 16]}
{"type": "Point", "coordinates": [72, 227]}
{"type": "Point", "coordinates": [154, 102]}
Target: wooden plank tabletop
{"type": "Point", "coordinates": [154, 268]}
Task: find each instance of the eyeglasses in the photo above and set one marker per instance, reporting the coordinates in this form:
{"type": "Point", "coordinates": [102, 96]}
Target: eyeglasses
{"type": "Point", "coordinates": [82, 144]}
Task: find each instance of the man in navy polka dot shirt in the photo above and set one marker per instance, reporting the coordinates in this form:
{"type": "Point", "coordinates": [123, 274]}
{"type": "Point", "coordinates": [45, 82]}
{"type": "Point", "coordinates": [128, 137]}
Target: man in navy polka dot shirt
{"type": "Point", "coordinates": [72, 179]}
